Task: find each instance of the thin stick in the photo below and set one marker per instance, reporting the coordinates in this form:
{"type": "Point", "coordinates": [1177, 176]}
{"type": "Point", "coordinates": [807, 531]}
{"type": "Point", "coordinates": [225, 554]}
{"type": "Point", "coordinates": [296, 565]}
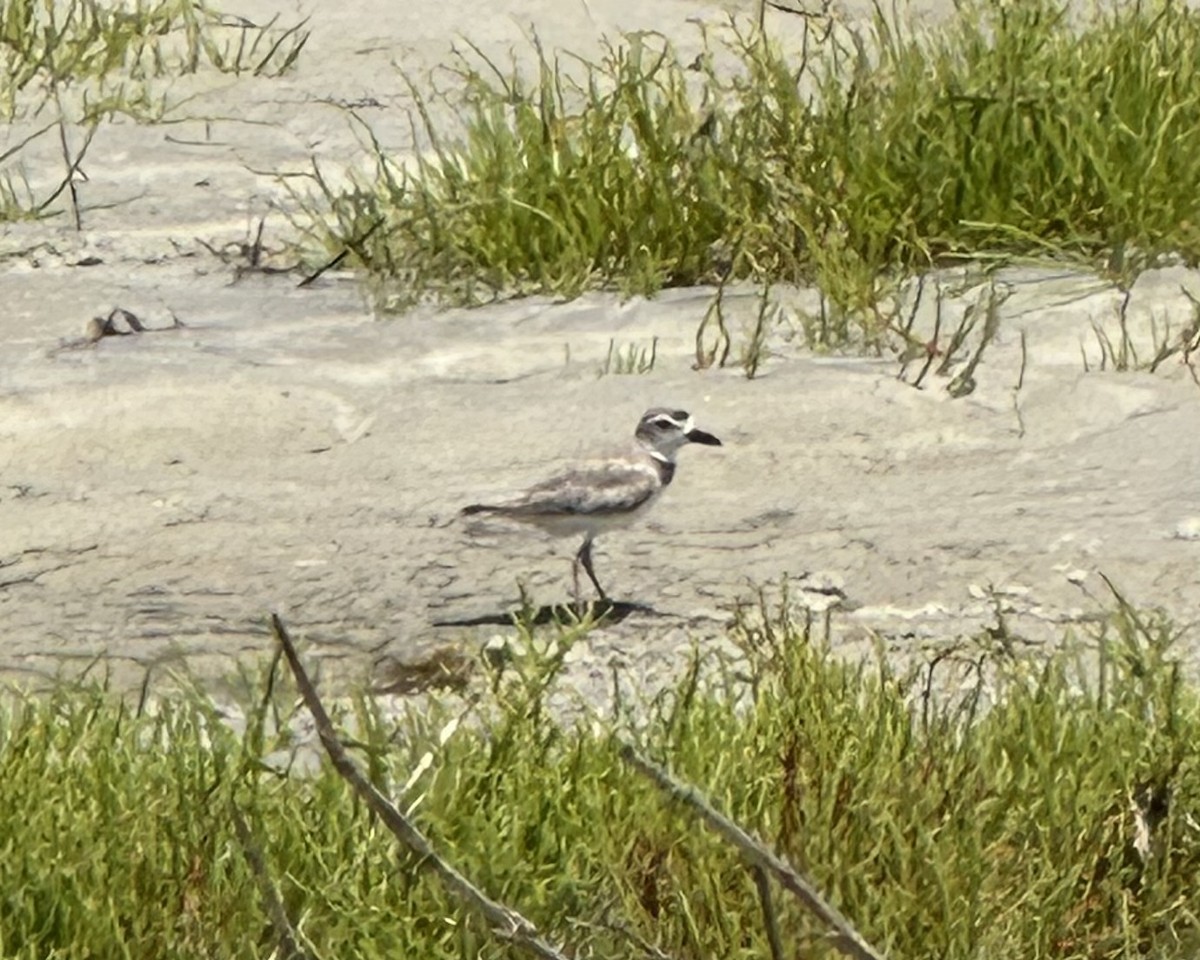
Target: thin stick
{"type": "Point", "coordinates": [350, 247]}
{"type": "Point", "coordinates": [272, 902]}
{"type": "Point", "coordinates": [16, 148]}
{"type": "Point", "coordinates": [931, 348]}
{"type": "Point", "coordinates": [763, 882]}
{"type": "Point", "coordinates": [71, 168]}
{"type": "Point", "coordinates": [506, 923]}
{"type": "Point", "coordinates": [68, 182]}
{"type": "Point", "coordinates": [847, 940]}
{"type": "Point", "coordinates": [1020, 384]}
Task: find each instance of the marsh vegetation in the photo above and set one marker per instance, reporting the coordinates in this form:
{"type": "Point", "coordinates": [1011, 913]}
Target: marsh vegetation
{"type": "Point", "coordinates": [976, 803]}
{"type": "Point", "coordinates": [850, 159]}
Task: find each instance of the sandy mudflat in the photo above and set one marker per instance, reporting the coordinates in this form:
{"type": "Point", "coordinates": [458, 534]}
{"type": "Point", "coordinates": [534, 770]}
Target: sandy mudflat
{"type": "Point", "coordinates": [287, 451]}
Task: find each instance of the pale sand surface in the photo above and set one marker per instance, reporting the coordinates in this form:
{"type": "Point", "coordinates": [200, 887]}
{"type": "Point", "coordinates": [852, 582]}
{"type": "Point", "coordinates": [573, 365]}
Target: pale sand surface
{"type": "Point", "coordinates": [286, 451]}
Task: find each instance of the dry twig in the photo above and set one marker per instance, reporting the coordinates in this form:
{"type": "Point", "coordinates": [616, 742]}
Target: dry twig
{"type": "Point", "coordinates": [847, 940]}
{"type": "Point", "coordinates": [288, 942]}
{"type": "Point", "coordinates": [505, 922]}
{"type": "Point", "coordinates": [762, 882]}
{"type": "Point", "coordinates": [352, 246]}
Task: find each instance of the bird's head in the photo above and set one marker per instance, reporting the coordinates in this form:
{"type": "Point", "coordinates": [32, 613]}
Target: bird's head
{"type": "Point", "coordinates": [664, 431]}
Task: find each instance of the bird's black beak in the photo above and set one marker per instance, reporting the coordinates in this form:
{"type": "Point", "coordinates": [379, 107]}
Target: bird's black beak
{"type": "Point", "coordinates": [699, 436]}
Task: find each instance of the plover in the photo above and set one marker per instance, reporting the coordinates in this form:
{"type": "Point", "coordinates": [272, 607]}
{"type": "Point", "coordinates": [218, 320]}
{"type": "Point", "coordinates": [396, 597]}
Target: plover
{"type": "Point", "coordinates": [604, 494]}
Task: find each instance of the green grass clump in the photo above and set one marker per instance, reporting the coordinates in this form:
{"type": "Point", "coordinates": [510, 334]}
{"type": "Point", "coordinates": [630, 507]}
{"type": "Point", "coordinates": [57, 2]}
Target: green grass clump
{"type": "Point", "coordinates": [632, 359]}
{"type": "Point", "coordinates": [75, 64]}
{"type": "Point", "coordinates": [81, 43]}
{"type": "Point", "coordinates": [1007, 131]}
{"type": "Point", "coordinates": [1046, 809]}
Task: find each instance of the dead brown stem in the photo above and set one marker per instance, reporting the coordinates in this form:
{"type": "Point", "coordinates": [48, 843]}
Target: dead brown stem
{"type": "Point", "coordinates": [289, 945]}
{"type": "Point", "coordinates": [846, 939]}
{"type": "Point", "coordinates": [505, 922]}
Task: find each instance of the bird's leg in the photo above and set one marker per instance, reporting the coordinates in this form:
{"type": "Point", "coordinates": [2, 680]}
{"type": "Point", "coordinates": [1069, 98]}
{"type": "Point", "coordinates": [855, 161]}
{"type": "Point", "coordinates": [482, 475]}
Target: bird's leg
{"type": "Point", "coordinates": [585, 557]}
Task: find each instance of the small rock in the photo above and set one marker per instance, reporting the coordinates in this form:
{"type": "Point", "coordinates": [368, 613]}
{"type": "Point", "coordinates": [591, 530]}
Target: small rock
{"type": "Point", "coordinates": [1187, 529]}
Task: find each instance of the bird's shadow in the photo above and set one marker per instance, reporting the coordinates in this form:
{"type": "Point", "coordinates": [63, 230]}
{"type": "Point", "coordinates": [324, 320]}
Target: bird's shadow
{"type": "Point", "coordinates": [599, 611]}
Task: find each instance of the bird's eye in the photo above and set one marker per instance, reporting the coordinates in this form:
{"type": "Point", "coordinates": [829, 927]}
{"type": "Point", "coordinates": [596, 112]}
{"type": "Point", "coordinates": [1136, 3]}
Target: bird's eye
{"type": "Point", "coordinates": [665, 423]}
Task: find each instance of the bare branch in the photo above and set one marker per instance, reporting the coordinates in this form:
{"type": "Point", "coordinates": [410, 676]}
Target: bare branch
{"type": "Point", "coordinates": [352, 246]}
{"type": "Point", "coordinates": [505, 922]}
{"type": "Point", "coordinates": [847, 940]}
{"type": "Point", "coordinates": [763, 882]}
{"type": "Point", "coordinates": [272, 902]}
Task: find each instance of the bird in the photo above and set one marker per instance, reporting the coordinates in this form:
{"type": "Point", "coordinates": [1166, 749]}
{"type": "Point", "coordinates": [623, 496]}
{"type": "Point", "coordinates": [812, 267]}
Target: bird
{"type": "Point", "coordinates": [606, 493]}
